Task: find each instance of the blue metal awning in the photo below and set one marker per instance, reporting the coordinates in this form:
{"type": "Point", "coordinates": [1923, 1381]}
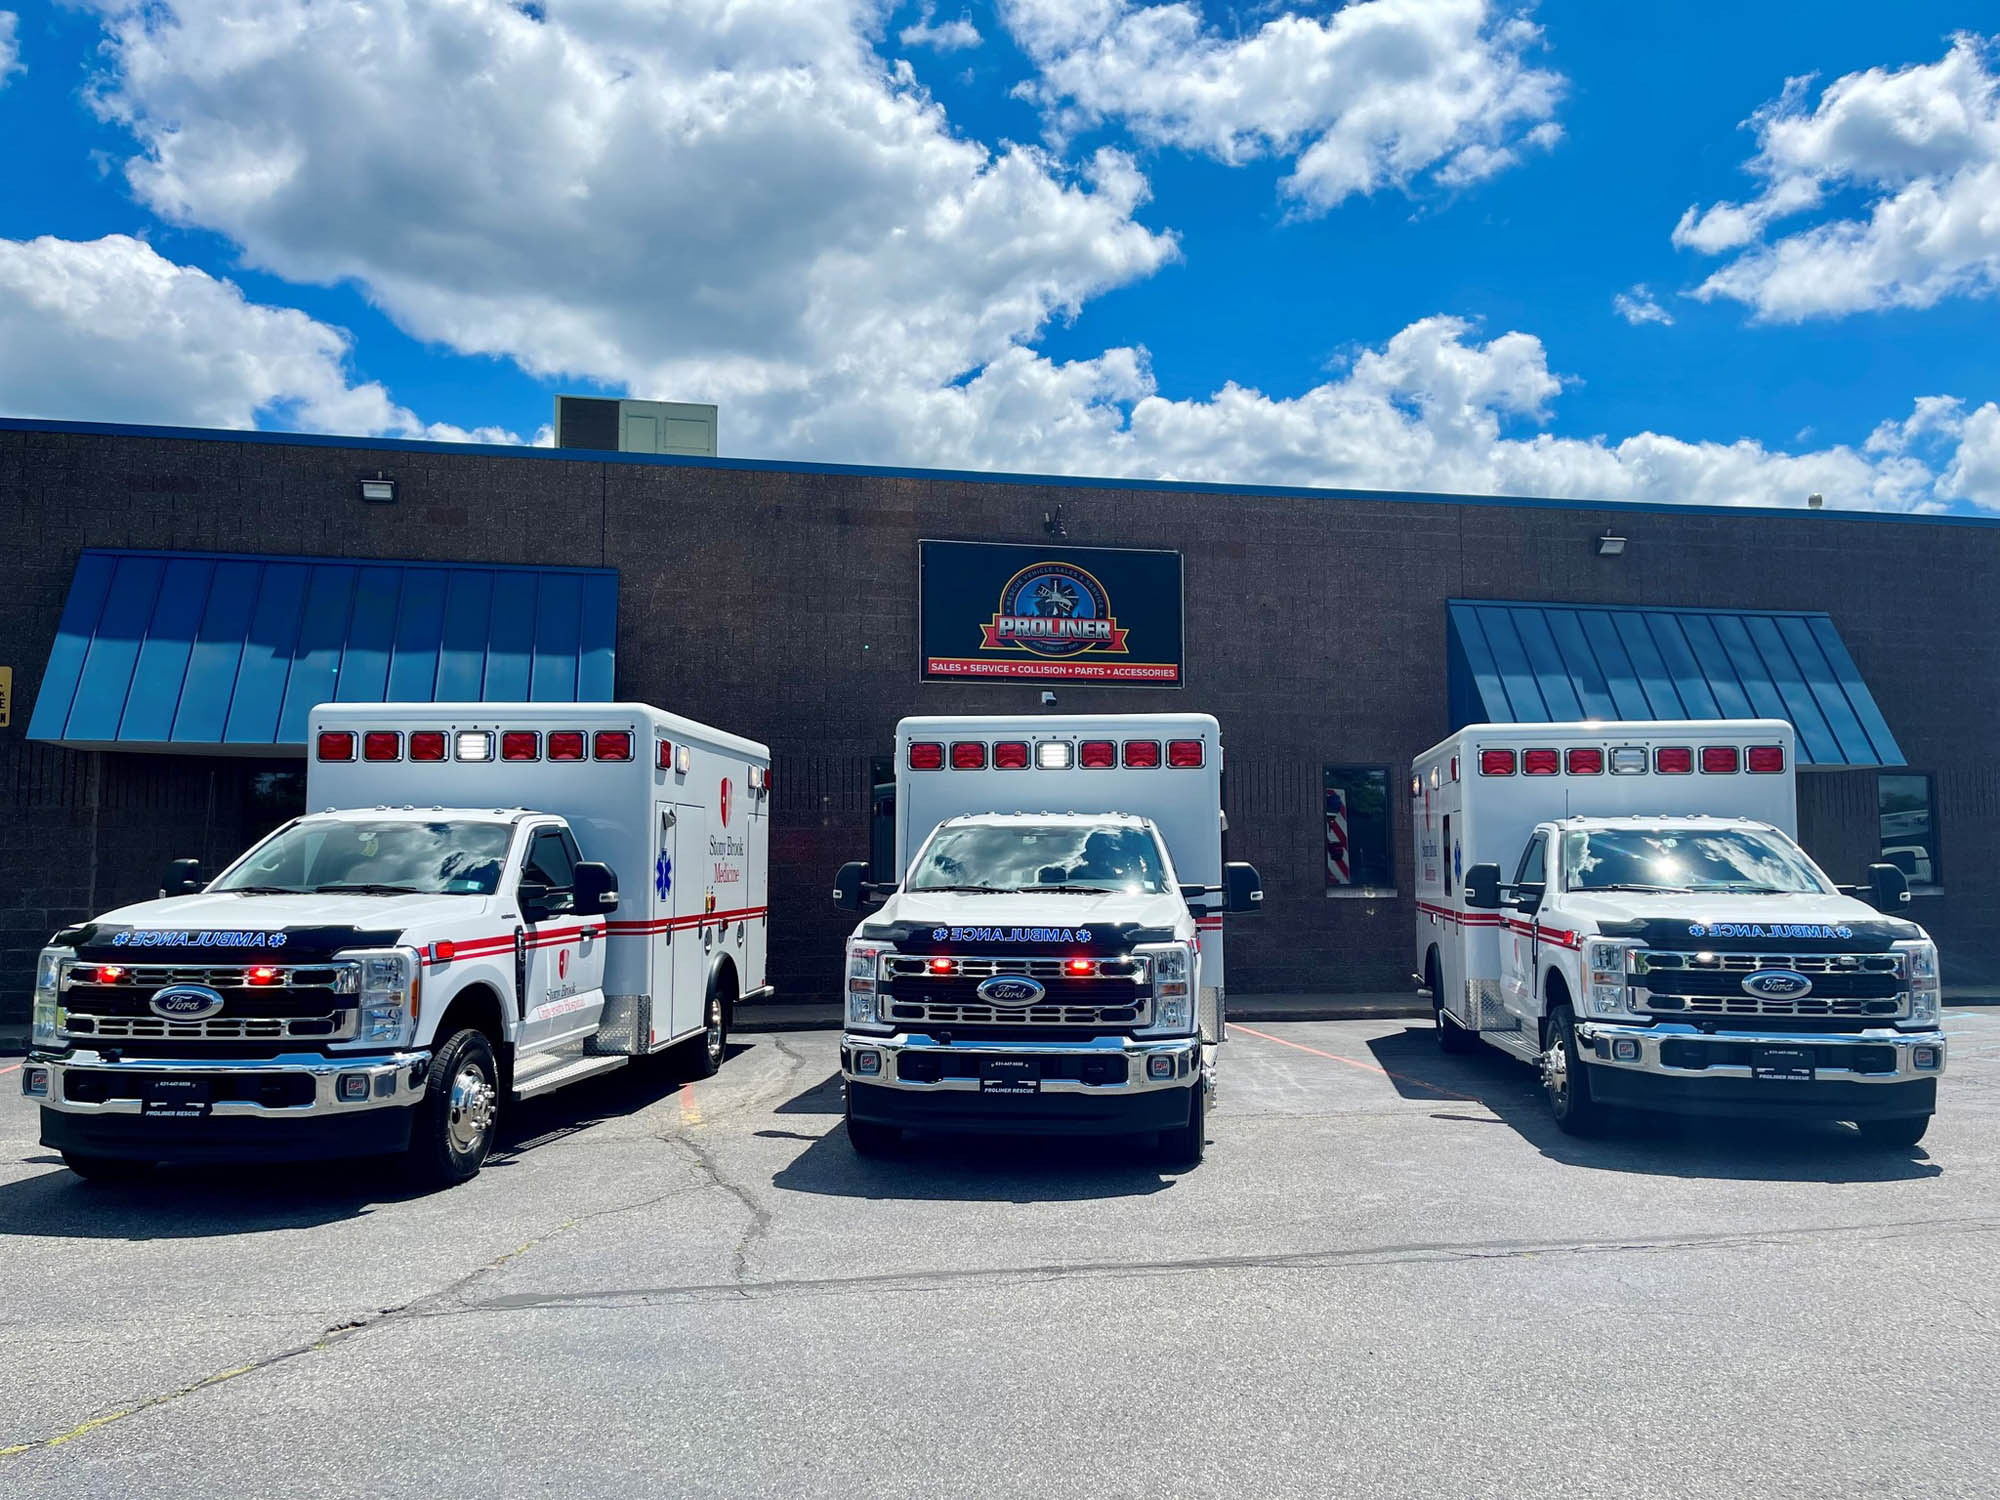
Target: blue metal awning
{"type": "Point", "coordinates": [1544, 663]}
{"type": "Point", "coordinates": [213, 651]}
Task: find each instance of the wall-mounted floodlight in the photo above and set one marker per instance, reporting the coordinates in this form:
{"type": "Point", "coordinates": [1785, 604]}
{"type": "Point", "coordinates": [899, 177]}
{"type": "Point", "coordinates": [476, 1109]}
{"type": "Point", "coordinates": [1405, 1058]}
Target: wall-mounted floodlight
{"type": "Point", "coordinates": [1610, 546]}
{"type": "Point", "coordinates": [381, 490]}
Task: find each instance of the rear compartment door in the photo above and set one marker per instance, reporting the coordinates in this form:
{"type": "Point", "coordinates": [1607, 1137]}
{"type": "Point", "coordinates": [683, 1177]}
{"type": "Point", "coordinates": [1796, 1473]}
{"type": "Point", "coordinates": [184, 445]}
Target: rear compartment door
{"type": "Point", "coordinates": [693, 936]}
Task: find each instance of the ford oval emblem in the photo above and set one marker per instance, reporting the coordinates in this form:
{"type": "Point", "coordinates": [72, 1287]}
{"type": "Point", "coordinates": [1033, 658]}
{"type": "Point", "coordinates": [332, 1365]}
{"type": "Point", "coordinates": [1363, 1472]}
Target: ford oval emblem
{"type": "Point", "coordinates": [1777, 984]}
{"type": "Point", "coordinates": [186, 1002]}
{"type": "Point", "coordinates": [1011, 989]}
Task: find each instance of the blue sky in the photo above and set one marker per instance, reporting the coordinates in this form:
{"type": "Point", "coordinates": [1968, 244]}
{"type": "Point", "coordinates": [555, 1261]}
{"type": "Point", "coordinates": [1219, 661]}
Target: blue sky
{"type": "Point", "coordinates": [333, 225]}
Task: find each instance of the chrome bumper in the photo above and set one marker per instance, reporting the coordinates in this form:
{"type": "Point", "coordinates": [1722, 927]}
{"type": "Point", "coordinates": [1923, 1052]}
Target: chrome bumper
{"type": "Point", "coordinates": [1188, 1055]}
{"type": "Point", "coordinates": [1646, 1042]}
{"type": "Point", "coordinates": [395, 1079]}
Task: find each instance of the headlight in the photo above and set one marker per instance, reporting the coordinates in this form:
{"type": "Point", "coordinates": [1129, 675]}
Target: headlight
{"type": "Point", "coordinates": [1605, 981]}
{"type": "Point", "coordinates": [48, 995]}
{"type": "Point", "coordinates": [865, 963]}
{"type": "Point", "coordinates": [1920, 974]}
{"type": "Point", "coordinates": [391, 991]}
{"type": "Point", "coordinates": [1171, 966]}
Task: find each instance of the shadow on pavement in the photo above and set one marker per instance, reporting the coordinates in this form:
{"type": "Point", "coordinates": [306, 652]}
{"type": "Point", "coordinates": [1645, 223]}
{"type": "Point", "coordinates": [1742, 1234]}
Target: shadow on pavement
{"type": "Point", "coordinates": [1652, 1145]}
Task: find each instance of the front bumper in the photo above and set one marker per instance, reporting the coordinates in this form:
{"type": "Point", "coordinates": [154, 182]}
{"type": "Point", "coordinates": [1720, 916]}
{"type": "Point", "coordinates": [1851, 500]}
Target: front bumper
{"type": "Point", "coordinates": [1094, 1085]}
{"type": "Point", "coordinates": [1683, 1069]}
{"type": "Point", "coordinates": [279, 1108]}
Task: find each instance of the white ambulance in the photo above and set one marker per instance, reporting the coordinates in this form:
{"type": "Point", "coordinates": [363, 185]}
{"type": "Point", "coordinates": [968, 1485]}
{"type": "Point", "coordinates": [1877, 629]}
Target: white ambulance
{"type": "Point", "coordinates": [1049, 957]}
{"type": "Point", "coordinates": [1625, 906]}
{"type": "Point", "coordinates": [484, 901]}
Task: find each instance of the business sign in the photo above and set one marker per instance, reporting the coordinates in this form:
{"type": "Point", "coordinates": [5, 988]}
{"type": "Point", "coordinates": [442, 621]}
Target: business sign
{"type": "Point", "coordinates": [1003, 612]}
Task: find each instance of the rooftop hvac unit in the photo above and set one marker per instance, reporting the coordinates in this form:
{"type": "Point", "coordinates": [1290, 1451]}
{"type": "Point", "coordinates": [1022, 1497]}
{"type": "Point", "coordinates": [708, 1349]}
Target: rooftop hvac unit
{"type": "Point", "coordinates": [609, 425]}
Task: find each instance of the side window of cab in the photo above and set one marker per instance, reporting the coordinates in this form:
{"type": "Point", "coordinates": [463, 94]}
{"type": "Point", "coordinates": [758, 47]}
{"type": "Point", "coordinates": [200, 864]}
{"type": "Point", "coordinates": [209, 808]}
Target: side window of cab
{"type": "Point", "coordinates": [1534, 870]}
{"type": "Point", "coordinates": [549, 864]}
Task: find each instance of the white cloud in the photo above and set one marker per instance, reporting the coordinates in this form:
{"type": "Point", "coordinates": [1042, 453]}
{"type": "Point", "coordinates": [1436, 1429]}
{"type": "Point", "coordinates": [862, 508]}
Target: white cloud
{"type": "Point", "coordinates": [942, 36]}
{"type": "Point", "coordinates": [1640, 306]}
{"type": "Point", "coordinates": [10, 47]}
{"type": "Point", "coordinates": [1921, 146]}
{"type": "Point", "coordinates": [111, 330]}
{"type": "Point", "coordinates": [1374, 95]}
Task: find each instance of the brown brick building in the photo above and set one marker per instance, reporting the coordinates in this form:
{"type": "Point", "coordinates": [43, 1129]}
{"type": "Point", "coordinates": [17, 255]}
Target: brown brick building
{"type": "Point", "coordinates": [780, 601]}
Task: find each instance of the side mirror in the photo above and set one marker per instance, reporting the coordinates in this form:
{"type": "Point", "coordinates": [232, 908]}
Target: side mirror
{"type": "Point", "coordinates": [1242, 888]}
{"type": "Point", "coordinates": [534, 899]}
{"type": "Point", "coordinates": [1888, 888]}
{"type": "Point", "coordinates": [1529, 896]}
{"type": "Point", "coordinates": [182, 878]}
{"type": "Point", "coordinates": [596, 889]}
{"type": "Point", "coordinates": [1482, 888]}
{"type": "Point", "coordinates": [1195, 892]}
{"type": "Point", "coordinates": [850, 886]}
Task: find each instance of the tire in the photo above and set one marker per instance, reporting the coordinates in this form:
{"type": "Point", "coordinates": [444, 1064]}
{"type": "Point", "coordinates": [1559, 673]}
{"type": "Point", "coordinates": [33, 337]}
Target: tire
{"type": "Point", "coordinates": [1185, 1146]}
{"type": "Point", "coordinates": [871, 1137]}
{"type": "Point", "coordinates": [454, 1127]}
{"type": "Point", "coordinates": [704, 1053]}
{"type": "Point", "coordinates": [1893, 1134]}
{"type": "Point", "coordinates": [105, 1168]}
{"type": "Point", "coordinates": [1451, 1036]}
{"type": "Point", "coordinates": [1565, 1081]}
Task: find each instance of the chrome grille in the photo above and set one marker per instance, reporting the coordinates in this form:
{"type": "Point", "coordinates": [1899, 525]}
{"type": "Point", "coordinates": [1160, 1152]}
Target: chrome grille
{"type": "Point", "coordinates": [1132, 1013]}
{"type": "Point", "coordinates": [1853, 985]}
{"type": "Point", "coordinates": [1111, 993]}
{"type": "Point", "coordinates": [341, 978]}
{"type": "Point", "coordinates": [917, 965]}
{"type": "Point", "coordinates": [338, 1026]}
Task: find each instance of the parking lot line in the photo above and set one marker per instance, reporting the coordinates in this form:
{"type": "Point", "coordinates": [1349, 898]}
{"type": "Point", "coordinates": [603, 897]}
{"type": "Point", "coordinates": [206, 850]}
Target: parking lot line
{"type": "Point", "coordinates": [1366, 1067]}
{"type": "Point", "coordinates": [14, 1069]}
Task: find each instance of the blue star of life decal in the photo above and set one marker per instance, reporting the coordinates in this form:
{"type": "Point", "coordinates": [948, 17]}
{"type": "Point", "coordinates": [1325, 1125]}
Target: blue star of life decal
{"type": "Point", "coordinates": [663, 876]}
{"type": "Point", "coordinates": [938, 934]}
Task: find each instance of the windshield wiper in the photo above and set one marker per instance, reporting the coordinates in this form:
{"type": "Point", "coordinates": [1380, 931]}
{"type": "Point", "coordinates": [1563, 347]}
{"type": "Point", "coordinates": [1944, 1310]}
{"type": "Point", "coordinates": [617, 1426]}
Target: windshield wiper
{"type": "Point", "coordinates": [370, 888]}
{"type": "Point", "coordinates": [982, 890]}
{"type": "Point", "coordinates": [264, 890]}
{"type": "Point", "coordinates": [1670, 890]}
{"type": "Point", "coordinates": [1738, 888]}
{"type": "Point", "coordinates": [1067, 890]}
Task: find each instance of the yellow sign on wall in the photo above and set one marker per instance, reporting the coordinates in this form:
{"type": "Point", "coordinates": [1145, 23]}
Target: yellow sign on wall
{"type": "Point", "coordinates": [6, 696]}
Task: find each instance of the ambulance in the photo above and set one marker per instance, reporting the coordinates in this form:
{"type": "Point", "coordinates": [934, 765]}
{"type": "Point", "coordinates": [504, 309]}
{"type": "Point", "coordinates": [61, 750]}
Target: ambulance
{"type": "Point", "coordinates": [484, 902]}
{"type": "Point", "coordinates": [1625, 906]}
{"type": "Point", "coordinates": [1048, 957]}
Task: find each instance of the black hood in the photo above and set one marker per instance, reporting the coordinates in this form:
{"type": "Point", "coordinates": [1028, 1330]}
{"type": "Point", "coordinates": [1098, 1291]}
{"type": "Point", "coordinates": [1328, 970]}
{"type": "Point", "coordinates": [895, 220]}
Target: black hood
{"type": "Point", "coordinates": [1104, 939]}
{"type": "Point", "coordinates": [99, 941]}
{"type": "Point", "coordinates": [1680, 935]}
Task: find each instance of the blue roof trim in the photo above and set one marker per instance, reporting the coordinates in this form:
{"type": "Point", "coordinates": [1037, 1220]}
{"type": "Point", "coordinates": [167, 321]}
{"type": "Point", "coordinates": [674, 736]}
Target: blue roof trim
{"type": "Point", "coordinates": [967, 476]}
{"type": "Point", "coordinates": [1515, 663]}
{"type": "Point", "coordinates": [213, 650]}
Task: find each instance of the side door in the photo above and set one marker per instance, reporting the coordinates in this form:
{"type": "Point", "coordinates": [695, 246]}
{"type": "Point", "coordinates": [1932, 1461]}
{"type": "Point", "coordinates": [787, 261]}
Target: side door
{"type": "Point", "coordinates": [563, 993]}
{"type": "Point", "coordinates": [1518, 942]}
{"type": "Point", "coordinates": [694, 936]}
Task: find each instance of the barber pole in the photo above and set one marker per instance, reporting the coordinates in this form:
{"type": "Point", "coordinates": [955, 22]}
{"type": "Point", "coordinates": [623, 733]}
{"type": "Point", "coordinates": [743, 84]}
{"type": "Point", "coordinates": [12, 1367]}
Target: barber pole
{"type": "Point", "coordinates": [1339, 870]}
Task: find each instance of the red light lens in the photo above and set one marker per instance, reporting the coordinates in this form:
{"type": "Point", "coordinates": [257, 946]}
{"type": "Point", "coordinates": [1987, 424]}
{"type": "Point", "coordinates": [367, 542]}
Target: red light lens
{"type": "Point", "coordinates": [1718, 760]}
{"type": "Point", "coordinates": [1142, 753]}
{"type": "Point", "coordinates": [1010, 755]}
{"type": "Point", "coordinates": [612, 744]}
{"type": "Point", "coordinates": [520, 744]}
{"type": "Point", "coordinates": [1454, 768]}
{"type": "Point", "coordinates": [1540, 762]}
{"type": "Point", "coordinates": [566, 744]}
{"type": "Point", "coordinates": [1673, 760]}
{"type": "Point", "coordinates": [381, 744]}
{"type": "Point", "coordinates": [1496, 763]}
{"type": "Point", "coordinates": [1764, 759]}
{"type": "Point", "coordinates": [1097, 755]}
{"type": "Point", "coordinates": [926, 755]}
{"type": "Point", "coordinates": [443, 952]}
{"type": "Point", "coordinates": [426, 744]}
{"type": "Point", "coordinates": [968, 755]}
{"type": "Point", "coordinates": [110, 974]}
{"type": "Point", "coordinates": [940, 966]}
{"type": "Point", "coordinates": [336, 744]}
{"type": "Point", "coordinates": [1079, 966]}
{"type": "Point", "coordinates": [1186, 755]}
{"type": "Point", "coordinates": [1586, 762]}
{"type": "Point", "coordinates": [262, 974]}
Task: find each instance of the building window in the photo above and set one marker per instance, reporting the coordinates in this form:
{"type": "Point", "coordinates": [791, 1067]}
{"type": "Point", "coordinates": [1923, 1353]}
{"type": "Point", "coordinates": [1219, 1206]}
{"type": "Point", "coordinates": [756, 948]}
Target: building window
{"type": "Point", "coordinates": [1909, 826]}
{"type": "Point", "coordinates": [1358, 839]}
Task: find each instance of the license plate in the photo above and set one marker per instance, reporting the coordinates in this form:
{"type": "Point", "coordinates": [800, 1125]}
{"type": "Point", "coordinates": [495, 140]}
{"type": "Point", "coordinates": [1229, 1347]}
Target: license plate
{"type": "Point", "coordinates": [1010, 1075]}
{"type": "Point", "coordinates": [174, 1098]}
{"type": "Point", "coordinates": [1785, 1064]}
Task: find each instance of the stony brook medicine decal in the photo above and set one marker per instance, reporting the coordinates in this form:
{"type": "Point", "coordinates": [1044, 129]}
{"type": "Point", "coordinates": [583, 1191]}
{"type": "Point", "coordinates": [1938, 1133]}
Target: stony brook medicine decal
{"type": "Point", "coordinates": [999, 612]}
{"type": "Point", "coordinates": [726, 851]}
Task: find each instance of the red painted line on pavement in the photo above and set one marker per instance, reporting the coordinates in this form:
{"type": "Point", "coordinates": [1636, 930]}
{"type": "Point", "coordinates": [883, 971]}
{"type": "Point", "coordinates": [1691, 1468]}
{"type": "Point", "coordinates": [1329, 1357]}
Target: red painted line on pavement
{"type": "Point", "coordinates": [5, 1071]}
{"type": "Point", "coordinates": [1365, 1067]}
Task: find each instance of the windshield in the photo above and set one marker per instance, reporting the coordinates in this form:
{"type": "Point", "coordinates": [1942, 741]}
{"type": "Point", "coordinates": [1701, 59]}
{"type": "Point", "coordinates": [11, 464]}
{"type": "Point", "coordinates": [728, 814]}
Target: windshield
{"type": "Point", "coordinates": [380, 858]}
{"type": "Point", "coordinates": [1686, 859]}
{"type": "Point", "coordinates": [1041, 857]}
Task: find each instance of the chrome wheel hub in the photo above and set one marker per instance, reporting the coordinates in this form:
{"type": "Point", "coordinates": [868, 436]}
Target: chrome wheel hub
{"type": "Point", "coordinates": [715, 1029]}
{"type": "Point", "coordinates": [471, 1107]}
{"type": "Point", "coordinates": [1555, 1070]}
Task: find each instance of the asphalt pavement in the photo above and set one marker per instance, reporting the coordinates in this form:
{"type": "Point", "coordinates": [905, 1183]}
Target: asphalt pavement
{"type": "Point", "coordinates": [1392, 1277]}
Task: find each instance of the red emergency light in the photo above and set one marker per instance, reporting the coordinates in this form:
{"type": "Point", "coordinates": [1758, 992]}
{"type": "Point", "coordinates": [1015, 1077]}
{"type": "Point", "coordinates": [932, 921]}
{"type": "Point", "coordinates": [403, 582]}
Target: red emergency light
{"type": "Point", "coordinates": [1142, 754]}
{"type": "Point", "coordinates": [520, 744]}
{"type": "Point", "coordinates": [1010, 755]}
{"type": "Point", "coordinates": [926, 755]}
{"type": "Point", "coordinates": [1586, 762]}
{"type": "Point", "coordinates": [1765, 759]}
{"type": "Point", "coordinates": [426, 744]}
{"type": "Point", "coordinates": [940, 966]}
{"type": "Point", "coordinates": [262, 974]}
{"type": "Point", "coordinates": [611, 744]}
{"type": "Point", "coordinates": [1496, 763]}
{"type": "Point", "coordinates": [968, 755]}
{"type": "Point", "coordinates": [566, 744]}
{"type": "Point", "coordinates": [336, 744]}
{"type": "Point", "coordinates": [381, 744]}
{"type": "Point", "coordinates": [1079, 966]}
{"type": "Point", "coordinates": [1719, 760]}
{"type": "Point", "coordinates": [1673, 760]}
{"type": "Point", "coordinates": [1186, 755]}
{"type": "Point", "coordinates": [1540, 762]}
{"type": "Point", "coordinates": [1097, 755]}
{"type": "Point", "coordinates": [110, 974]}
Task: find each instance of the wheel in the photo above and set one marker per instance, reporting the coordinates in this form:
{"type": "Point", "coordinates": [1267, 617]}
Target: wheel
{"type": "Point", "coordinates": [705, 1052]}
{"type": "Point", "coordinates": [1906, 1131]}
{"type": "Point", "coordinates": [1451, 1036]}
{"type": "Point", "coordinates": [1184, 1146]}
{"type": "Point", "coordinates": [105, 1168]}
{"type": "Point", "coordinates": [871, 1137]}
{"type": "Point", "coordinates": [1565, 1081]}
{"type": "Point", "coordinates": [453, 1130]}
